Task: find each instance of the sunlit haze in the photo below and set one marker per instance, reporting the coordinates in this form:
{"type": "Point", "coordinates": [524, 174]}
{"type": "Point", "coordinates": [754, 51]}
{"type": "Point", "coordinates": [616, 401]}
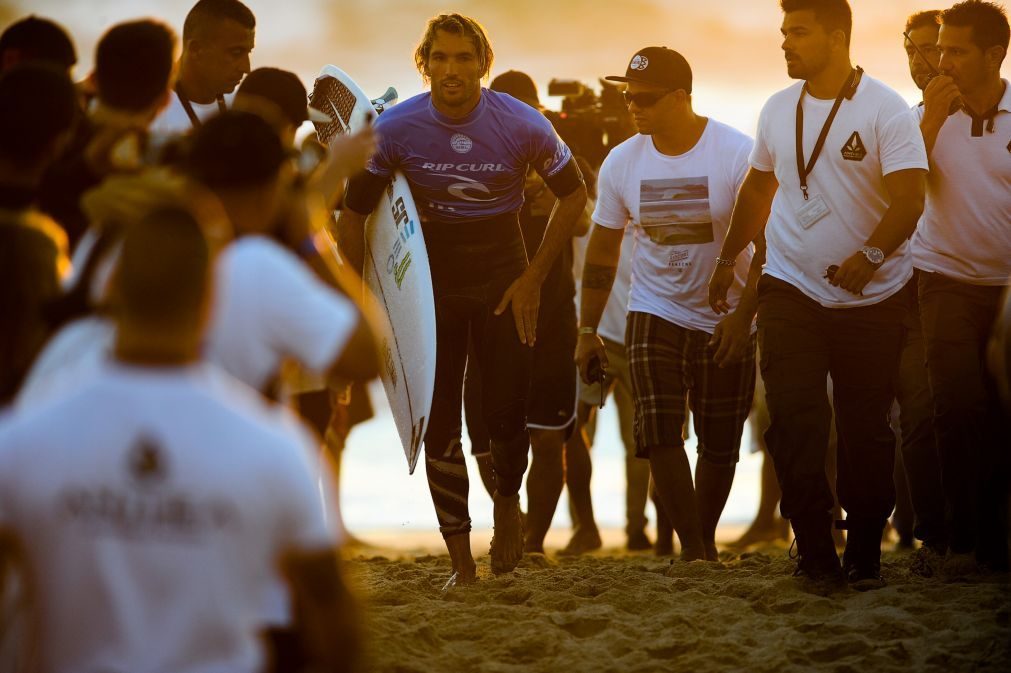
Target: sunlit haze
{"type": "Point", "coordinates": [733, 46]}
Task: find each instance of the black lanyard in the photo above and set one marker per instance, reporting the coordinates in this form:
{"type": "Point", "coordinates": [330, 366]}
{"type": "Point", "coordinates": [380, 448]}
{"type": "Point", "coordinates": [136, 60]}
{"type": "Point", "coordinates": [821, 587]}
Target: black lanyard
{"type": "Point", "coordinates": [194, 119]}
{"type": "Point", "coordinates": [847, 91]}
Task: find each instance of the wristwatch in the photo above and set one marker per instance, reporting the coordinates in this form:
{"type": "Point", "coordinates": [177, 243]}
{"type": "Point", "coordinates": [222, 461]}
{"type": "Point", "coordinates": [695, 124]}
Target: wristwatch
{"type": "Point", "coordinates": [587, 330]}
{"type": "Point", "coordinates": [874, 255]}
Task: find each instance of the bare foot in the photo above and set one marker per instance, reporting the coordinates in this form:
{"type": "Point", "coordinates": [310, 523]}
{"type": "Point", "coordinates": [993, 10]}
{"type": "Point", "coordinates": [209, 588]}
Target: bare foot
{"type": "Point", "coordinates": [583, 540]}
{"type": "Point", "coordinates": [507, 543]}
{"type": "Point", "coordinates": [712, 554]}
{"type": "Point", "coordinates": [464, 568]}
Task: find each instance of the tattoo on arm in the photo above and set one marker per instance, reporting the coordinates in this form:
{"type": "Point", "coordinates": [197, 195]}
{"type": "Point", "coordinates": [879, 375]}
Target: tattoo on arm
{"type": "Point", "coordinates": [598, 276]}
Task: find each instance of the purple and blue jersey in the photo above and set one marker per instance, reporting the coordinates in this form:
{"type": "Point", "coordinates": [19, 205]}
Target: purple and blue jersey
{"type": "Point", "coordinates": [469, 168]}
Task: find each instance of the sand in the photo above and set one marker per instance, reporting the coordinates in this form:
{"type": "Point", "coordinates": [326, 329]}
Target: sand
{"type": "Point", "coordinates": [615, 611]}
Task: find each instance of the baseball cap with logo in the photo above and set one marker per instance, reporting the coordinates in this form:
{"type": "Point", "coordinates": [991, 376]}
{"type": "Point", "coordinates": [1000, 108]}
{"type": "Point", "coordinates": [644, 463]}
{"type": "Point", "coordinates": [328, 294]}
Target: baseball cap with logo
{"type": "Point", "coordinates": [658, 66]}
{"type": "Point", "coordinates": [284, 90]}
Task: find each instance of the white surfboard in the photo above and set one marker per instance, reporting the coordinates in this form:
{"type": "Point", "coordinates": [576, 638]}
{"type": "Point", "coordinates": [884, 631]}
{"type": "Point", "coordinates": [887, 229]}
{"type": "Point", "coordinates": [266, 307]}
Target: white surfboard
{"type": "Point", "coordinates": [397, 275]}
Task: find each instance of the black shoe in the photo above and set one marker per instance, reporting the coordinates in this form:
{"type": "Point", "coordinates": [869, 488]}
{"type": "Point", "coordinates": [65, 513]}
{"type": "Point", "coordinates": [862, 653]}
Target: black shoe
{"type": "Point", "coordinates": [864, 577]}
{"type": "Point", "coordinates": [817, 561]}
{"type": "Point", "coordinates": [862, 558]}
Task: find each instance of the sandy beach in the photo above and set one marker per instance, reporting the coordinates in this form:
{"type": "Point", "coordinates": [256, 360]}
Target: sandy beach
{"type": "Point", "coordinates": [616, 611]}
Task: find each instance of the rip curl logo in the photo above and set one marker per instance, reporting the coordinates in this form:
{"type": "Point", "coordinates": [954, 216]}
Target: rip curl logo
{"type": "Point", "coordinates": [460, 143]}
{"type": "Point", "coordinates": [639, 62]}
{"type": "Point", "coordinates": [854, 149]}
{"type": "Point", "coordinates": [145, 462]}
{"type": "Point", "coordinates": [469, 190]}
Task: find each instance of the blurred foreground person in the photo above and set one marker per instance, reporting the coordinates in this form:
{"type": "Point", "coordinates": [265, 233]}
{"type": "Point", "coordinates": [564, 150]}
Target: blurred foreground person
{"type": "Point", "coordinates": [144, 549]}
{"type": "Point", "coordinates": [34, 39]}
{"type": "Point", "coordinates": [962, 249]}
{"type": "Point", "coordinates": [132, 81]}
{"type": "Point", "coordinates": [33, 249]}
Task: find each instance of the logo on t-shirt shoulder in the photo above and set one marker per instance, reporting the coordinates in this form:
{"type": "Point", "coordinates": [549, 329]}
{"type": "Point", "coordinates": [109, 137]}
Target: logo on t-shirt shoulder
{"type": "Point", "coordinates": [460, 143]}
{"type": "Point", "coordinates": [854, 149]}
{"type": "Point", "coordinates": [146, 462]}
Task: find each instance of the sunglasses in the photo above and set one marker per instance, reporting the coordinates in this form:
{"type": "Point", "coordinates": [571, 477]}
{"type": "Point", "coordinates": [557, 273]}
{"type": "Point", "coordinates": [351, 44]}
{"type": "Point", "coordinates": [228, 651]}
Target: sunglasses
{"type": "Point", "coordinates": [644, 98]}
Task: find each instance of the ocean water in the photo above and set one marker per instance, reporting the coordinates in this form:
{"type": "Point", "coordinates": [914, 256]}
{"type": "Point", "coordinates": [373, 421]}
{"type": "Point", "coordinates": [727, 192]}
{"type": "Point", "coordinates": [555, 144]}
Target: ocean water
{"type": "Point", "coordinates": [377, 493]}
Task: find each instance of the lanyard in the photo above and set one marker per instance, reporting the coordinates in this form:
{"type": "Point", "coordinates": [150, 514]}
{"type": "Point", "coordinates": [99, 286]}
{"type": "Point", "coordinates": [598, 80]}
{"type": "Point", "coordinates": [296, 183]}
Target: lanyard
{"type": "Point", "coordinates": [847, 91]}
{"type": "Point", "coordinates": [194, 119]}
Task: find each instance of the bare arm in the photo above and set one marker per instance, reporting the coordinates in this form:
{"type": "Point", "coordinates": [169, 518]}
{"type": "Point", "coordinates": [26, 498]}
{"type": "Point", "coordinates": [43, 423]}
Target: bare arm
{"type": "Point", "coordinates": [603, 253]}
{"type": "Point", "coordinates": [347, 154]}
{"type": "Point", "coordinates": [747, 225]}
{"type": "Point", "coordinates": [525, 293]}
{"type": "Point", "coordinates": [906, 192]}
{"type": "Point", "coordinates": [561, 228]}
{"type": "Point", "coordinates": [326, 612]}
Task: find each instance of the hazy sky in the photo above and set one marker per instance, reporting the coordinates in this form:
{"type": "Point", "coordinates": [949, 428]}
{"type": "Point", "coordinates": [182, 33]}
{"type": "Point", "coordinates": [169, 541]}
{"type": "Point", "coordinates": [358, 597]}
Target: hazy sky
{"type": "Point", "coordinates": [733, 45]}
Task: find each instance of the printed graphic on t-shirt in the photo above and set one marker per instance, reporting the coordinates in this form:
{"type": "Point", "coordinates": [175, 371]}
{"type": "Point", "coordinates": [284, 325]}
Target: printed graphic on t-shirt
{"type": "Point", "coordinates": [675, 211]}
{"type": "Point", "coordinates": [854, 149]}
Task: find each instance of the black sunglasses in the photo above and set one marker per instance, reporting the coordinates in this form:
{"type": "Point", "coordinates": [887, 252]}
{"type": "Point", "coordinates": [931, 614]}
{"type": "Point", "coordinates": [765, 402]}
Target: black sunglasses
{"type": "Point", "coordinates": [644, 98]}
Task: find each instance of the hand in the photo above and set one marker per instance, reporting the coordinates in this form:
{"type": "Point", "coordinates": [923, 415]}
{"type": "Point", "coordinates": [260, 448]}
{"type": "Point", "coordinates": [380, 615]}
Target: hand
{"type": "Point", "coordinates": [938, 97]}
{"type": "Point", "coordinates": [731, 339]}
{"type": "Point", "coordinates": [589, 347]}
{"type": "Point", "coordinates": [525, 296]}
{"type": "Point", "coordinates": [351, 152]}
{"type": "Point", "coordinates": [719, 286]}
{"type": "Point", "coordinates": [854, 274]}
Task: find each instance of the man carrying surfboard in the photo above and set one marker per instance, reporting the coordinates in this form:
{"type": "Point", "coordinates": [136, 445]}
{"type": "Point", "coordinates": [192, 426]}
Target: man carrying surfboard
{"type": "Point", "coordinates": [465, 152]}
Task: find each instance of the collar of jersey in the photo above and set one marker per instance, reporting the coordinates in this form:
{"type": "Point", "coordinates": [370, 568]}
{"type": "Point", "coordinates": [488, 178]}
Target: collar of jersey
{"type": "Point", "coordinates": [474, 115]}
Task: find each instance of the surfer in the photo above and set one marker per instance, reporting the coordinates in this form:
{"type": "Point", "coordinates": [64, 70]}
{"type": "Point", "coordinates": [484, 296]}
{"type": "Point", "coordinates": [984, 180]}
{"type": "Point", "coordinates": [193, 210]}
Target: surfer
{"type": "Point", "coordinates": [465, 151]}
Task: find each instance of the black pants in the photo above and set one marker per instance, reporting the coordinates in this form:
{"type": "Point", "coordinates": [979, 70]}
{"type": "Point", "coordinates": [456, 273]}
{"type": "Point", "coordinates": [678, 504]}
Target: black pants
{"type": "Point", "coordinates": [920, 464]}
{"type": "Point", "coordinates": [472, 266]}
{"type": "Point", "coordinates": [801, 343]}
{"type": "Point", "coordinates": [972, 435]}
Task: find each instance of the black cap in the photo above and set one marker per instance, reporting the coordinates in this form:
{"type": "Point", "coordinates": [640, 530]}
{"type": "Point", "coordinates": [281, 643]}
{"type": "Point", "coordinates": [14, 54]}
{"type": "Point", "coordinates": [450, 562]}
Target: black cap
{"type": "Point", "coordinates": [518, 85]}
{"type": "Point", "coordinates": [285, 90]}
{"type": "Point", "coordinates": [659, 66]}
{"type": "Point", "coordinates": [234, 149]}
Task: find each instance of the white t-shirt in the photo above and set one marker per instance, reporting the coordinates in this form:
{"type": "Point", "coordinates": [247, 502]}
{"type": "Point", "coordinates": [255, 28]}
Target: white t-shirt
{"type": "Point", "coordinates": [681, 208]}
{"type": "Point", "coordinates": [267, 306]}
{"type": "Point", "coordinates": [965, 232]}
{"type": "Point", "coordinates": [879, 133]}
{"type": "Point", "coordinates": [612, 322]}
{"type": "Point", "coordinates": [154, 505]}
{"type": "Point", "coordinates": [173, 120]}
{"type": "Point", "coordinates": [270, 306]}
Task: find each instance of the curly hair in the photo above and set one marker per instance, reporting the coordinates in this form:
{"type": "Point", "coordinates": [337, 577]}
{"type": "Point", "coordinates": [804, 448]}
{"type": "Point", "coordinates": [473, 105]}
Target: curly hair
{"type": "Point", "coordinates": [456, 24]}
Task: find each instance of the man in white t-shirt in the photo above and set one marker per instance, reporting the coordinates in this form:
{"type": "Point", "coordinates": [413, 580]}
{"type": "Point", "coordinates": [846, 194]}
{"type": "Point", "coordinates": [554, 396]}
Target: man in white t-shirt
{"type": "Point", "coordinates": [918, 477]}
{"type": "Point", "coordinates": [840, 162]}
{"type": "Point", "coordinates": [675, 183]}
{"type": "Point", "coordinates": [218, 37]}
{"type": "Point", "coordinates": [962, 249]}
{"type": "Point", "coordinates": [155, 504]}
{"type": "Point", "coordinates": [270, 303]}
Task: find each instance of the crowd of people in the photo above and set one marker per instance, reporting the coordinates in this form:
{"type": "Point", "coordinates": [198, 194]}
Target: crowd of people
{"type": "Point", "coordinates": [177, 262]}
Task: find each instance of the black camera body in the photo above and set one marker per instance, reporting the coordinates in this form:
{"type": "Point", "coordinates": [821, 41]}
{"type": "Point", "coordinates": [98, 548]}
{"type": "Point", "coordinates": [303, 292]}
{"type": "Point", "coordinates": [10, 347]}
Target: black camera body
{"type": "Point", "coordinates": [590, 125]}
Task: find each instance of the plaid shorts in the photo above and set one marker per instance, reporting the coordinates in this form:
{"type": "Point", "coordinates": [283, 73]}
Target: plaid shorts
{"type": "Point", "coordinates": [673, 371]}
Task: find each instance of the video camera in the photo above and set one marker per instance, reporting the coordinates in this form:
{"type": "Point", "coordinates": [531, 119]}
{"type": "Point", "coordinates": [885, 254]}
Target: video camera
{"type": "Point", "coordinates": [590, 125]}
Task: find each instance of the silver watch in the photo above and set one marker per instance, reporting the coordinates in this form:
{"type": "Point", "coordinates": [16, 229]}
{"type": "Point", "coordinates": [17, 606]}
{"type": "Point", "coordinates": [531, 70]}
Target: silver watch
{"type": "Point", "coordinates": [874, 255]}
